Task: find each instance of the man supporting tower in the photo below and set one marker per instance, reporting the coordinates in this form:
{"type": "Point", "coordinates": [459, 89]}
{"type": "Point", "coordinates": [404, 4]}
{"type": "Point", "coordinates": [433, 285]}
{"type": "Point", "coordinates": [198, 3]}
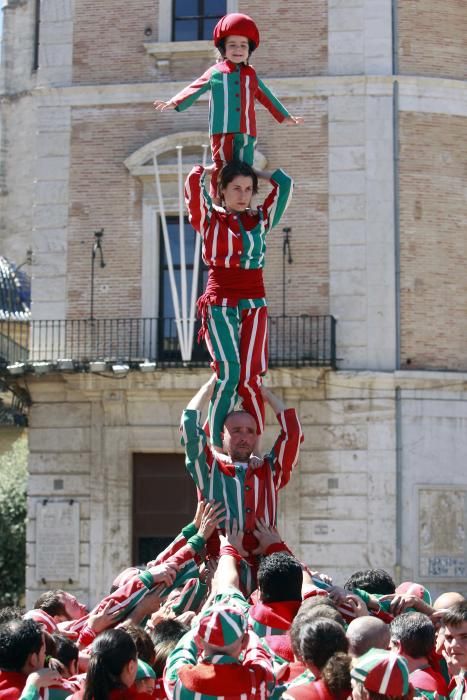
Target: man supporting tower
{"type": "Point", "coordinates": [247, 491]}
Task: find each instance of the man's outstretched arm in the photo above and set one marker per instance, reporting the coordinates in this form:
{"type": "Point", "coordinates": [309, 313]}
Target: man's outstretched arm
{"type": "Point", "coordinates": [284, 454]}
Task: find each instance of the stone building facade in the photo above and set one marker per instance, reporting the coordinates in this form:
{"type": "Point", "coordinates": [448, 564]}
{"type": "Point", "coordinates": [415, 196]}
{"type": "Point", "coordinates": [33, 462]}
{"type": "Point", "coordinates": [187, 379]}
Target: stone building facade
{"type": "Point", "coordinates": [378, 240]}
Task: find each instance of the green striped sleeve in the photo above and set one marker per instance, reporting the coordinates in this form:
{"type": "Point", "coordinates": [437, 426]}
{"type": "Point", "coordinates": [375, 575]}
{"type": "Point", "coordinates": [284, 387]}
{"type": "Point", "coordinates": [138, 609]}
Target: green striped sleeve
{"type": "Point", "coordinates": [186, 652]}
{"type": "Point", "coordinates": [194, 442]}
{"type": "Point", "coordinates": [275, 103]}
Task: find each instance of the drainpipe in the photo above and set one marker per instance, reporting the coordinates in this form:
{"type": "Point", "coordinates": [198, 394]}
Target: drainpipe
{"type": "Point", "coordinates": [398, 412]}
{"type": "Point", "coordinates": [397, 257]}
{"type": "Point", "coordinates": [395, 37]}
{"type": "Point", "coordinates": [398, 403]}
{"type": "Point", "coordinates": [396, 175]}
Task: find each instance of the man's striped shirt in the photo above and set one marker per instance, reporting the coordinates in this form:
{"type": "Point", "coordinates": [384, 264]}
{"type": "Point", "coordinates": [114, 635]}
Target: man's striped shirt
{"type": "Point", "coordinates": [247, 494]}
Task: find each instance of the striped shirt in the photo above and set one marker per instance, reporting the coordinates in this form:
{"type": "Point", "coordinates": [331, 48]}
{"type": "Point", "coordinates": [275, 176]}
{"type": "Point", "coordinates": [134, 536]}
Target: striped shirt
{"type": "Point", "coordinates": [427, 682]}
{"type": "Point", "coordinates": [234, 91]}
{"type": "Point", "coordinates": [180, 553]}
{"type": "Point", "coordinates": [247, 494]}
{"type": "Point", "coordinates": [235, 240]}
{"type": "Point", "coordinates": [188, 677]}
{"type": "Point", "coordinates": [458, 686]}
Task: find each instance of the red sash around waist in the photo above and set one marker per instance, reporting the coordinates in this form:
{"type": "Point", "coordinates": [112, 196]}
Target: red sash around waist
{"type": "Point", "coordinates": [225, 287]}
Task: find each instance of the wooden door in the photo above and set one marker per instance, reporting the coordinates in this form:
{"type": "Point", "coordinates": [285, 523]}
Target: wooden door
{"type": "Point", "coordinates": [164, 500]}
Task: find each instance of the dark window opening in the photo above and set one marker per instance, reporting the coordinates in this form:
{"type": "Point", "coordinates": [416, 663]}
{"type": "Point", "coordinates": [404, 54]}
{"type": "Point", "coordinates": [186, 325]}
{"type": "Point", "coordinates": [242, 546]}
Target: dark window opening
{"type": "Point", "coordinates": [194, 20]}
{"type": "Point", "coordinates": [169, 346]}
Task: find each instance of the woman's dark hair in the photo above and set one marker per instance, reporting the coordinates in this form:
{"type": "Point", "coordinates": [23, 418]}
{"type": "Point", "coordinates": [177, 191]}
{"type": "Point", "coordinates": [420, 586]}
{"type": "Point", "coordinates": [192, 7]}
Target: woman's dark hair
{"type": "Point", "coordinates": [233, 169]}
{"type": "Point", "coordinates": [50, 645]}
{"type": "Point", "coordinates": [142, 640]}
{"type": "Point", "coordinates": [221, 46]}
{"type": "Point", "coordinates": [66, 651]}
{"type": "Point", "coordinates": [165, 637]}
{"type": "Point", "coordinates": [111, 651]}
{"type": "Point", "coordinates": [336, 674]}
{"type": "Point", "coordinates": [317, 641]}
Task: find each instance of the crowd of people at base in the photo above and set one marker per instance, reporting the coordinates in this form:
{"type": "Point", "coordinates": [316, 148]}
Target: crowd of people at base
{"type": "Point", "coordinates": [227, 611]}
{"type": "Point", "coordinates": [184, 626]}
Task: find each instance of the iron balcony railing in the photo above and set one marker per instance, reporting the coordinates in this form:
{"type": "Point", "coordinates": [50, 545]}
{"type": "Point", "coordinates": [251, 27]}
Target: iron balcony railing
{"type": "Point", "coordinates": [296, 341]}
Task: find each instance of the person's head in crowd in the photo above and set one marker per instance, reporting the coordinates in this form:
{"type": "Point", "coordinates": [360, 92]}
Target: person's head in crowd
{"type": "Point", "coordinates": [280, 578]}
{"type": "Point", "coordinates": [371, 581]}
{"type": "Point", "coordinates": [315, 601]}
{"type": "Point", "coordinates": [50, 646]}
{"type": "Point", "coordinates": [10, 613]}
{"type": "Point", "coordinates": [412, 635]}
{"type": "Point", "coordinates": [365, 633]}
{"type": "Point", "coordinates": [222, 630]}
{"type": "Point", "coordinates": [145, 678]}
{"type": "Point", "coordinates": [455, 633]}
{"type": "Point", "coordinates": [67, 652]}
{"type": "Point", "coordinates": [22, 646]}
{"type": "Point", "coordinates": [415, 589]}
{"type": "Point", "coordinates": [445, 600]}
{"type": "Point", "coordinates": [323, 610]}
{"type": "Point", "coordinates": [60, 605]}
{"type": "Point", "coordinates": [165, 637]}
{"type": "Point", "coordinates": [144, 644]}
{"type": "Point", "coordinates": [315, 642]}
{"type": "Point", "coordinates": [113, 664]}
{"type": "Point", "coordinates": [380, 674]}
{"type": "Point", "coordinates": [336, 675]}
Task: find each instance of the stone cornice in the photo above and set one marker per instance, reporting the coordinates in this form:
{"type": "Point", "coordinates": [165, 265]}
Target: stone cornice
{"type": "Point", "coordinates": [416, 93]}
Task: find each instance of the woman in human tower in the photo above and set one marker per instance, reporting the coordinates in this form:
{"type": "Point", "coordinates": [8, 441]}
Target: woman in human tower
{"type": "Point", "coordinates": [233, 307]}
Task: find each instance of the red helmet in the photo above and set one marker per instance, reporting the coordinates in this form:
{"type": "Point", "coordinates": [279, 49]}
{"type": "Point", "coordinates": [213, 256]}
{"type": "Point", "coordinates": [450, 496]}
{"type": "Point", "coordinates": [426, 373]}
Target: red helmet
{"type": "Point", "coordinates": [238, 24]}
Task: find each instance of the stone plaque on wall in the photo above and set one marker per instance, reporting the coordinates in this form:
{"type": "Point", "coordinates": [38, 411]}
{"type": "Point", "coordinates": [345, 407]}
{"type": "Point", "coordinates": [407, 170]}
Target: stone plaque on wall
{"type": "Point", "coordinates": [57, 541]}
{"type": "Point", "coordinates": [442, 542]}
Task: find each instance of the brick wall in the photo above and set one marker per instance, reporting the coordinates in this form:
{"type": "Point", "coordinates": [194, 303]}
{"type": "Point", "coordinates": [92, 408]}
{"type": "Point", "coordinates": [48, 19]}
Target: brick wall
{"type": "Point", "coordinates": [293, 36]}
{"type": "Point", "coordinates": [433, 243]}
{"type": "Point", "coordinates": [303, 152]}
{"type": "Point", "coordinates": [103, 194]}
{"type": "Point", "coordinates": [108, 41]}
{"type": "Point", "coordinates": [432, 38]}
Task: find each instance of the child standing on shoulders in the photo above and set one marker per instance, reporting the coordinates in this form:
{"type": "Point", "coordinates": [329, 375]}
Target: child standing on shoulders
{"type": "Point", "coordinates": [234, 87]}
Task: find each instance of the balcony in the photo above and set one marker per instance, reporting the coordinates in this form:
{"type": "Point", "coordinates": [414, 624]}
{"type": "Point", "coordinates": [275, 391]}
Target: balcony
{"type": "Point", "coordinates": [147, 343]}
